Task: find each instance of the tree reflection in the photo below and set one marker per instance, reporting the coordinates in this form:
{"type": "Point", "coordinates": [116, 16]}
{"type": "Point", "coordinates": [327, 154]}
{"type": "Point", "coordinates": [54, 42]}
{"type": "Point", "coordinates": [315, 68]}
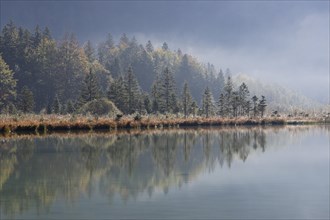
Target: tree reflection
{"type": "Point", "coordinates": [36, 171]}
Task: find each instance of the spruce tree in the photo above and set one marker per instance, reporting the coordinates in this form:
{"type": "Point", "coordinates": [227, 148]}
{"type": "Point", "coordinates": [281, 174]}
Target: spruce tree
{"type": "Point", "coordinates": [70, 107]}
{"type": "Point", "coordinates": [56, 105]}
{"type": "Point", "coordinates": [235, 103]}
{"type": "Point", "coordinates": [147, 103]}
{"type": "Point", "coordinates": [149, 47]}
{"type": "Point", "coordinates": [186, 100]}
{"type": "Point", "coordinates": [208, 106]}
{"type": "Point", "coordinates": [221, 105]}
{"type": "Point", "coordinates": [166, 91]}
{"type": "Point", "coordinates": [90, 89]}
{"type": "Point", "coordinates": [165, 46]}
{"type": "Point", "coordinates": [228, 89]}
{"type": "Point", "coordinates": [117, 93]}
{"type": "Point", "coordinates": [262, 106]}
{"type": "Point", "coordinates": [255, 106]}
{"type": "Point", "coordinates": [155, 97]}
{"type": "Point", "coordinates": [132, 90]}
{"type": "Point", "coordinates": [7, 83]}
{"type": "Point", "coordinates": [89, 51]}
{"type": "Point", "coordinates": [26, 100]}
{"type": "Point", "coordinates": [194, 108]}
{"type": "Point", "coordinates": [243, 93]}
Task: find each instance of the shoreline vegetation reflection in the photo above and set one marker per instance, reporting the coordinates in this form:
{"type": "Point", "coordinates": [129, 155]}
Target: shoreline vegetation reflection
{"type": "Point", "coordinates": [36, 171]}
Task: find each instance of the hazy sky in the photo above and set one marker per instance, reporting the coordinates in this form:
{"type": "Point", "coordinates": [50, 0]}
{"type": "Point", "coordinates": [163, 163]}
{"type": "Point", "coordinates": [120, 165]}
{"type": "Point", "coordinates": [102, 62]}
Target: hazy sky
{"type": "Point", "coordinates": [286, 42]}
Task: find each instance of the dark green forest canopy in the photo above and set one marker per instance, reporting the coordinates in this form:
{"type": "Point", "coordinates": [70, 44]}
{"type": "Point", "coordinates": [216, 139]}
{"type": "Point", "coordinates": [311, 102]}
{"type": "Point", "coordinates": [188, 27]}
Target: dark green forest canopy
{"type": "Point", "coordinates": [62, 75]}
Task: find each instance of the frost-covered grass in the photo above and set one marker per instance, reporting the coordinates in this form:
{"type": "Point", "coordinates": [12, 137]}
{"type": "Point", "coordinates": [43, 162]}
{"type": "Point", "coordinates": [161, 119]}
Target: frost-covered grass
{"type": "Point", "coordinates": [44, 123]}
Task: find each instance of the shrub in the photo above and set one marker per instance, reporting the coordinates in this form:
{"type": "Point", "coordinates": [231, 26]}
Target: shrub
{"type": "Point", "coordinates": [100, 107]}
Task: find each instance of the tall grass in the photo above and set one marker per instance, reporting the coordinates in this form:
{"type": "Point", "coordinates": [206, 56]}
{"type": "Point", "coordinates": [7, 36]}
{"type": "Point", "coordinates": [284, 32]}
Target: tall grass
{"type": "Point", "coordinates": [46, 123]}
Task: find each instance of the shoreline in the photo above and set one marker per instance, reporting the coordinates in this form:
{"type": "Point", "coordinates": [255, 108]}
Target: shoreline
{"type": "Point", "coordinates": [68, 123]}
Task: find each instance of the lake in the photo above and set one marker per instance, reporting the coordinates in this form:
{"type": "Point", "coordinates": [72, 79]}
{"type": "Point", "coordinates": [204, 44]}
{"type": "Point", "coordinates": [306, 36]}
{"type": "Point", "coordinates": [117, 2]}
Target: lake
{"type": "Point", "coordinates": [209, 173]}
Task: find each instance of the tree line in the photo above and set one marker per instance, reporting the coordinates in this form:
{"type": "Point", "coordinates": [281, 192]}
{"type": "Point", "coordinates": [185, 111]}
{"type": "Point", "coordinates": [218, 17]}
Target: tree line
{"type": "Point", "coordinates": [40, 74]}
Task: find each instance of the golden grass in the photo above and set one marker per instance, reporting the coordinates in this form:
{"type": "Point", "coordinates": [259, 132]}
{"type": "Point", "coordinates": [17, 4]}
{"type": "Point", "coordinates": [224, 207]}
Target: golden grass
{"type": "Point", "coordinates": [45, 123]}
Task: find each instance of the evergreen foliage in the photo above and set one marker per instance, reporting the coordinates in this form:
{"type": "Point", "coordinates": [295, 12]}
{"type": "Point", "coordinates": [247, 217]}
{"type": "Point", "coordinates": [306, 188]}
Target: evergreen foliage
{"type": "Point", "coordinates": [101, 106]}
{"type": "Point", "coordinates": [208, 106]}
{"type": "Point", "coordinates": [7, 83]}
{"type": "Point", "coordinates": [262, 106]}
{"type": "Point", "coordinates": [255, 106]}
{"type": "Point", "coordinates": [90, 89]}
{"type": "Point", "coordinates": [133, 92]}
{"type": "Point", "coordinates": [56, 106]}
{"type": "Point", "coordinates": [26, 100]}
{"type": "Point", "coordinates": [186, 100]}
{"type": "Point", "coordinates": [167, 92]}
{"type": "Point", "coordinates": [49, 72]}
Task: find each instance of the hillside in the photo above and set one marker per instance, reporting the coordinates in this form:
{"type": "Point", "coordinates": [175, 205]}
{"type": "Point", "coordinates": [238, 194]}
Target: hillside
{"type": "Point", "coordinates": [279, 98]}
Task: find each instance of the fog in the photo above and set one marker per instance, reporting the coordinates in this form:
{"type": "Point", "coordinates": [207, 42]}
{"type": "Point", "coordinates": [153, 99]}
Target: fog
{"type": "Point", "coordinates": [284, 42]}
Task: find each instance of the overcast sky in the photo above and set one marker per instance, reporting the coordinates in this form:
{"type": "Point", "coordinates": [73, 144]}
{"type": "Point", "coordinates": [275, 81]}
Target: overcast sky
{"type": "Point", "coordinates": [286, 42]}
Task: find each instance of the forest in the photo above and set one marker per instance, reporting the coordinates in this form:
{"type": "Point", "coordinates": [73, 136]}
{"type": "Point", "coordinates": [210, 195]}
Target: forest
{"type": "Point", "coordinates": [42, 75]}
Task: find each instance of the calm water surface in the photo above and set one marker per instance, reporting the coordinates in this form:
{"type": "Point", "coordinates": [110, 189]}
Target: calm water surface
{"type": "Point", "coordinates": [238, 173]}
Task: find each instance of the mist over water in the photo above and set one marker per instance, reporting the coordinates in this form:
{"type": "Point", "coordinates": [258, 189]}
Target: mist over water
{"type": "Point", "coordinates": [254, 172]}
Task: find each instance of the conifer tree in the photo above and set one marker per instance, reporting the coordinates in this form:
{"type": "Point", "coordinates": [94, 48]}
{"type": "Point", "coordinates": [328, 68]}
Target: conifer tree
{"type": "Point", "coordinates": [155, 97]}
{"type": "Point", "coordinates": [165, 46]}
{"type": "Point", "coordinates": [228, 89]}
{"type": "Point", "coordinates": [70, 107]}
{"type": "Point", "coordinates": [255, 106]}
{"type": "Point", "coordinates": [90, 89]}
{"type": "Point", "coordinates": [26, 100]}
{"type": "Point", "coordinates": [149, 47]}
{"type": "Point", "coordinates": [56, 105]}
{"type": "Point", "coordinates": [147, 103]}
{"type": "Point", "coordinates": [208, 106]}
{"type": "Point", "coordinates": [243, 93]}
{"type": "Point", "coordinates": [221, 105]}
{"type": "Point", "coordinates": [194, 108]}
{"type": "Point", "coordinates": [186, 100]}
{"type": "Point", "coordinates": [89, 51]}
{"type": "Point", "coordinates": [117, 93]}
{"type": "Point", "coordinates": [235, 102]}
{"type": "Point", "coordinates": [132, 90]}
{"type": "Point", "coordinates": [166, 91]}
{"type": "Point", "coordinates": [262, 106]}
{"type": "Point", "coordinates": [7, 83]}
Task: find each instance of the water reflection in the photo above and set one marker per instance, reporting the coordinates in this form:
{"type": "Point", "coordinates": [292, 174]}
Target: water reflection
{"type": "Point", "coordinates": [35, 171]}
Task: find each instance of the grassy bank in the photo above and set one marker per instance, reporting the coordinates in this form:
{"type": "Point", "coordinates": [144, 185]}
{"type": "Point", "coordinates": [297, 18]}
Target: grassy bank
{"type": "Point", "coordinates": [46, 123]}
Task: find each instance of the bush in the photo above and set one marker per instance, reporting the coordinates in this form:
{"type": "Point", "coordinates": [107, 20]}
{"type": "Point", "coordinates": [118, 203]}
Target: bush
{"type": "Point", "coordinates": [100, 107]}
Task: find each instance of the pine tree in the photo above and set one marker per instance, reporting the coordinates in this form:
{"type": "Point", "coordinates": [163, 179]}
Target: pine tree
{"type": "Point", "coordinates": [132, 90]}
{"type": "Point", "coordinates": [89, 51]}
{"type": "Point", "coordinates": [166, 91]}
{"type": "Point", "coordinates": [221, 105]}
{"type": "Point", "coordinates": [70, 107]}
{"type": "Point", "coordinates": [155, 96]}
{"type": "Point", "coordinates": [165, 46]}
{"type": "Point", "coordinates": [90, 89]}
{"type": "Point", "coordinates": [194, 108]}
{"type": "Point", "coordinates": [7, 83]}
{"type": "Point", "coordinates": [56, 105]}
{"type": "Point", "coordinates": [243, 93]}
{"type": "Point", "coordinates": [228, 89]}
{"type": "Point", "coordinates": [208, 106]}
{"type": "Point", "coordinates": [255, 106]}
{"type": "Point", "coordinates": [104, 50]}
{"type": "Point", "coordinates": [117, 93]}
{"type": "Point", "coordinates": [235, 102]}
{"type": "Point", "coordinates": [186, 100]}
{"type": "Point", "coordinates": [149, 47]}
{"type": "Point", "coordinates": [147, 103]}
{"type": "Point", "coordinates": [262, 106]}
{"type": "Point", "coordinates": [26, 100]}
